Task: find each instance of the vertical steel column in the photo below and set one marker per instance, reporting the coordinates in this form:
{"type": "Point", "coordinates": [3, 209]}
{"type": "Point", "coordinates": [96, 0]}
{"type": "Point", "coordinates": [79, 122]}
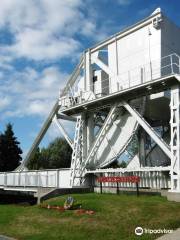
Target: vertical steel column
{"type": "Point", "coordinates": [57, 178]}
{"type": "Point", "coordinates": [84, 137]}
{"type": "Point", "coordinates": [89, 87]}
{"type": "Point", "coordinates": [117, 58]}
{"type": "Point", "coordinates": [175, 140]}
{"type": "Point", "coordinates": [171, 61]}
{"type": "Point", "coordinates": [90, 131]}
{"type": "Point", "coordinates": [77, 151]}
{"type": "Point", "coordinates": [142, 148]}
{"type": "Point", "coordinates": [88, 71]}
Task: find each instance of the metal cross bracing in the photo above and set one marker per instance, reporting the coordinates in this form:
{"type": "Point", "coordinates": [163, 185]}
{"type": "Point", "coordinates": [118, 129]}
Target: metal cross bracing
{"type": "Point", "coordinates": [108, 122]}
{"type": "Point", "coordinates": [152, 133]}
{"type": "Point", "coordinates": [74, 99]}
{"type": "Point", "coordinates": [139, 104]}
{"type": "Point", "coordinates": [77, 153]}
{"type": "Point", "coordinates": [112, 75]}
{"type": "Point", "coordinates": [63, 131]}
{"type": "Point", "coordinates": [175, 139]}
{"type": "Point", "coordinates": [116, 112]}
{"type": "Point", "coordinates": [40, 136]}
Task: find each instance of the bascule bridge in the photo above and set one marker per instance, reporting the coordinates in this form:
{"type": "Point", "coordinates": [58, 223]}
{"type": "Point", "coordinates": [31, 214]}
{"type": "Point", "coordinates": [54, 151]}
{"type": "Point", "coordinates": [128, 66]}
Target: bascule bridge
{"type": "Point", "coordinates": [124, 88]}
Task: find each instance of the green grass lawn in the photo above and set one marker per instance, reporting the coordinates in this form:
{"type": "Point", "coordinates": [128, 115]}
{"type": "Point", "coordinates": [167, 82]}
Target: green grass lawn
{"type": "Point", "coordinates": [116, 217]}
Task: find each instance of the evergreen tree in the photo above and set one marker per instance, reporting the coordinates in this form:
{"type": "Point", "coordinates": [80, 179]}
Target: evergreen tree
{"type": "Point", "coordinates": [11, 151]}
{"type": "Point", "coordinates": [2, 145]}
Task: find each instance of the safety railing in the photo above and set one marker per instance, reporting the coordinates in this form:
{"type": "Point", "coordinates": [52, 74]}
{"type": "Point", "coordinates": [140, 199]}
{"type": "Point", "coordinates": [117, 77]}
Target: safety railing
{"type": "Point", "coordinates": [166, 66]}
{"type": "Point", "coordinates": [56, 178]}
{"type": "Point", "coordinates": [151, 179]}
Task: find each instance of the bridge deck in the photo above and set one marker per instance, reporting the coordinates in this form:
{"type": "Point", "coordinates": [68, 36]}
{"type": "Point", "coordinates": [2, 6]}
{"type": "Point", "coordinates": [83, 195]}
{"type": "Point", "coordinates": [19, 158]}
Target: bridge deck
{"type": "Point", "coordinates": [31, 181]}
{"type": "Point", "coordinates": [143, 89]}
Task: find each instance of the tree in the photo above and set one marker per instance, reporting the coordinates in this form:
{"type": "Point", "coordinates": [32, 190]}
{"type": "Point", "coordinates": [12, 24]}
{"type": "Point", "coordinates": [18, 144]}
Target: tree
{"type": "Point", "coordinates": [56, 155]}
{"type": "Point", "coordinates": [35, 162]}
{"type": "Point", "coordinates": [10, 150]}
{"type": "Point", "coordinates": [114, 164]}
{"type": "Point", "coordinates": [123, 164]}
{"type": "Point", "coordinates": [133, 147]}
{"type": "Point", "coordinates": [2, 145]}
{"type": "Point", "coordinates": [117, 164]}
{"type": "Point", "coordinates": [60, 154]}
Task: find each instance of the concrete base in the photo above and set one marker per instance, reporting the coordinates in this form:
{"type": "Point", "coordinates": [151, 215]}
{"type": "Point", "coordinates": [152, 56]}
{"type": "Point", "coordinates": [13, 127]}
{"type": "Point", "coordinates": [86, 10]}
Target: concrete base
{"type": "Point", "coordinates": [43, 195]}
{"type": "Point", "coordinates": [173, 196]}
{"type": "Point", "coordinates": [164, 193]}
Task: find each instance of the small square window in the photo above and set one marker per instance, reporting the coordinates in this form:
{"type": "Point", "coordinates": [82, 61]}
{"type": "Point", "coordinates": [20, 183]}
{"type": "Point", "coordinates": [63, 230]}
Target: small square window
{"type": "Point", "coordinates": [95, 78]}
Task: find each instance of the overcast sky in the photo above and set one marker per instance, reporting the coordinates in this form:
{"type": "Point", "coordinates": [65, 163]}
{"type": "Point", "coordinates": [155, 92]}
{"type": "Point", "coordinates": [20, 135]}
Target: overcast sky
{"type": "Point", "coordinates": [40, 43]}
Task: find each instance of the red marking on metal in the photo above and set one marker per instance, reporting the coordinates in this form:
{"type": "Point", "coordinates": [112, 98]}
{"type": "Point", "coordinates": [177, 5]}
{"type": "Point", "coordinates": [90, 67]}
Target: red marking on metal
{"type": "Point", "coordinates": [131, 179]}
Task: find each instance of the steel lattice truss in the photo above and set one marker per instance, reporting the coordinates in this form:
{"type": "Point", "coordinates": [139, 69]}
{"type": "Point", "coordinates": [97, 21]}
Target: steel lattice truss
{"type": "Point", "coordinates": [123, 84]}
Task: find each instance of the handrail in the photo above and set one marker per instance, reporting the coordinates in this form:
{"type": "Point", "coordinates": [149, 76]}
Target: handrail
{"type": "Point", "coordinates": [32, 178]}
{"type": "Point", "coordinates": [73, 76]}
{"type": "Point", "coordinates": [168, 66]}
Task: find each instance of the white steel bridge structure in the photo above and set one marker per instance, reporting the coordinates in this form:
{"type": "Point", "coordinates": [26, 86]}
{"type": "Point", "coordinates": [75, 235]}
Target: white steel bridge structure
{"type": "Point", "coordinates": [124, 86]}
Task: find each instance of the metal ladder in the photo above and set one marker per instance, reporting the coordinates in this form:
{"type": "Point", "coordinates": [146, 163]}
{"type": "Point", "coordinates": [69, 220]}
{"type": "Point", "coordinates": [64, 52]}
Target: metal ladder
{"type": "Point", "coordinates": [77, 151]}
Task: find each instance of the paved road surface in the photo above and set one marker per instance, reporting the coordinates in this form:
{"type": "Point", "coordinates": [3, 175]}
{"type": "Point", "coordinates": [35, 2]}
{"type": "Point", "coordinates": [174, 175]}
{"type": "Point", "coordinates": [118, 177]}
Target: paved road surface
{"type": "Point", "coordinates": [171, 236]}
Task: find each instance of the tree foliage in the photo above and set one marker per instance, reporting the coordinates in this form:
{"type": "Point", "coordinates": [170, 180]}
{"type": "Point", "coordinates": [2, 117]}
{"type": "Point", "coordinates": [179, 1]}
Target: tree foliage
{"type": "Point", "coordinates": [117, 164]}
{"type": "Point", "coordinates": [123, 164]}
{"type": "Point", "coordinates": [10, 152]}
{"type": "Point", "coordinates": [133, 147]}
{"type": "Point", "coordinates": [56, 155]}
{"type": "Point", "coordinates": [34, 163]}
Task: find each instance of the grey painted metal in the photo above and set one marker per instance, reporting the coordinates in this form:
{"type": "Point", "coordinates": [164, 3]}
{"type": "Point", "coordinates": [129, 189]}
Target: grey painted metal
{"type": "Point", "coordinates": [161, 143]}
{"type": "Point", "coordinates": [30, 181]}
{"type": "Point", "coordinates": [39, 137]}
{"type": "Point", "coordinates": [56, 178]}
{"type": "Point", "coordinates": [153, 178]}
{"type": "Point", "coordinates": [122, 124]}
{"type": "Point", "coordinates": [77, 152]}
{"type": "Point", "coordinates": [99, 138]}
{"type": "Point", "coordinates": [102, 65]}
{"type": "Point", "coordinates": [140, 90]}
{"type": "Point", "coordinates": [63, 131]}
{"type": "Point", "coordinates": [124, 170]}
{"type": "Point", "coordinates": [151, 73]}
{"type": "Point", "coordinates": [65, 117]}
{"type": "Point", "coordinates": [125, 32]}
{"type": "Point", "coordinates": [175, 138]}
{"type": "Point", "coordinates": [73, 76]}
